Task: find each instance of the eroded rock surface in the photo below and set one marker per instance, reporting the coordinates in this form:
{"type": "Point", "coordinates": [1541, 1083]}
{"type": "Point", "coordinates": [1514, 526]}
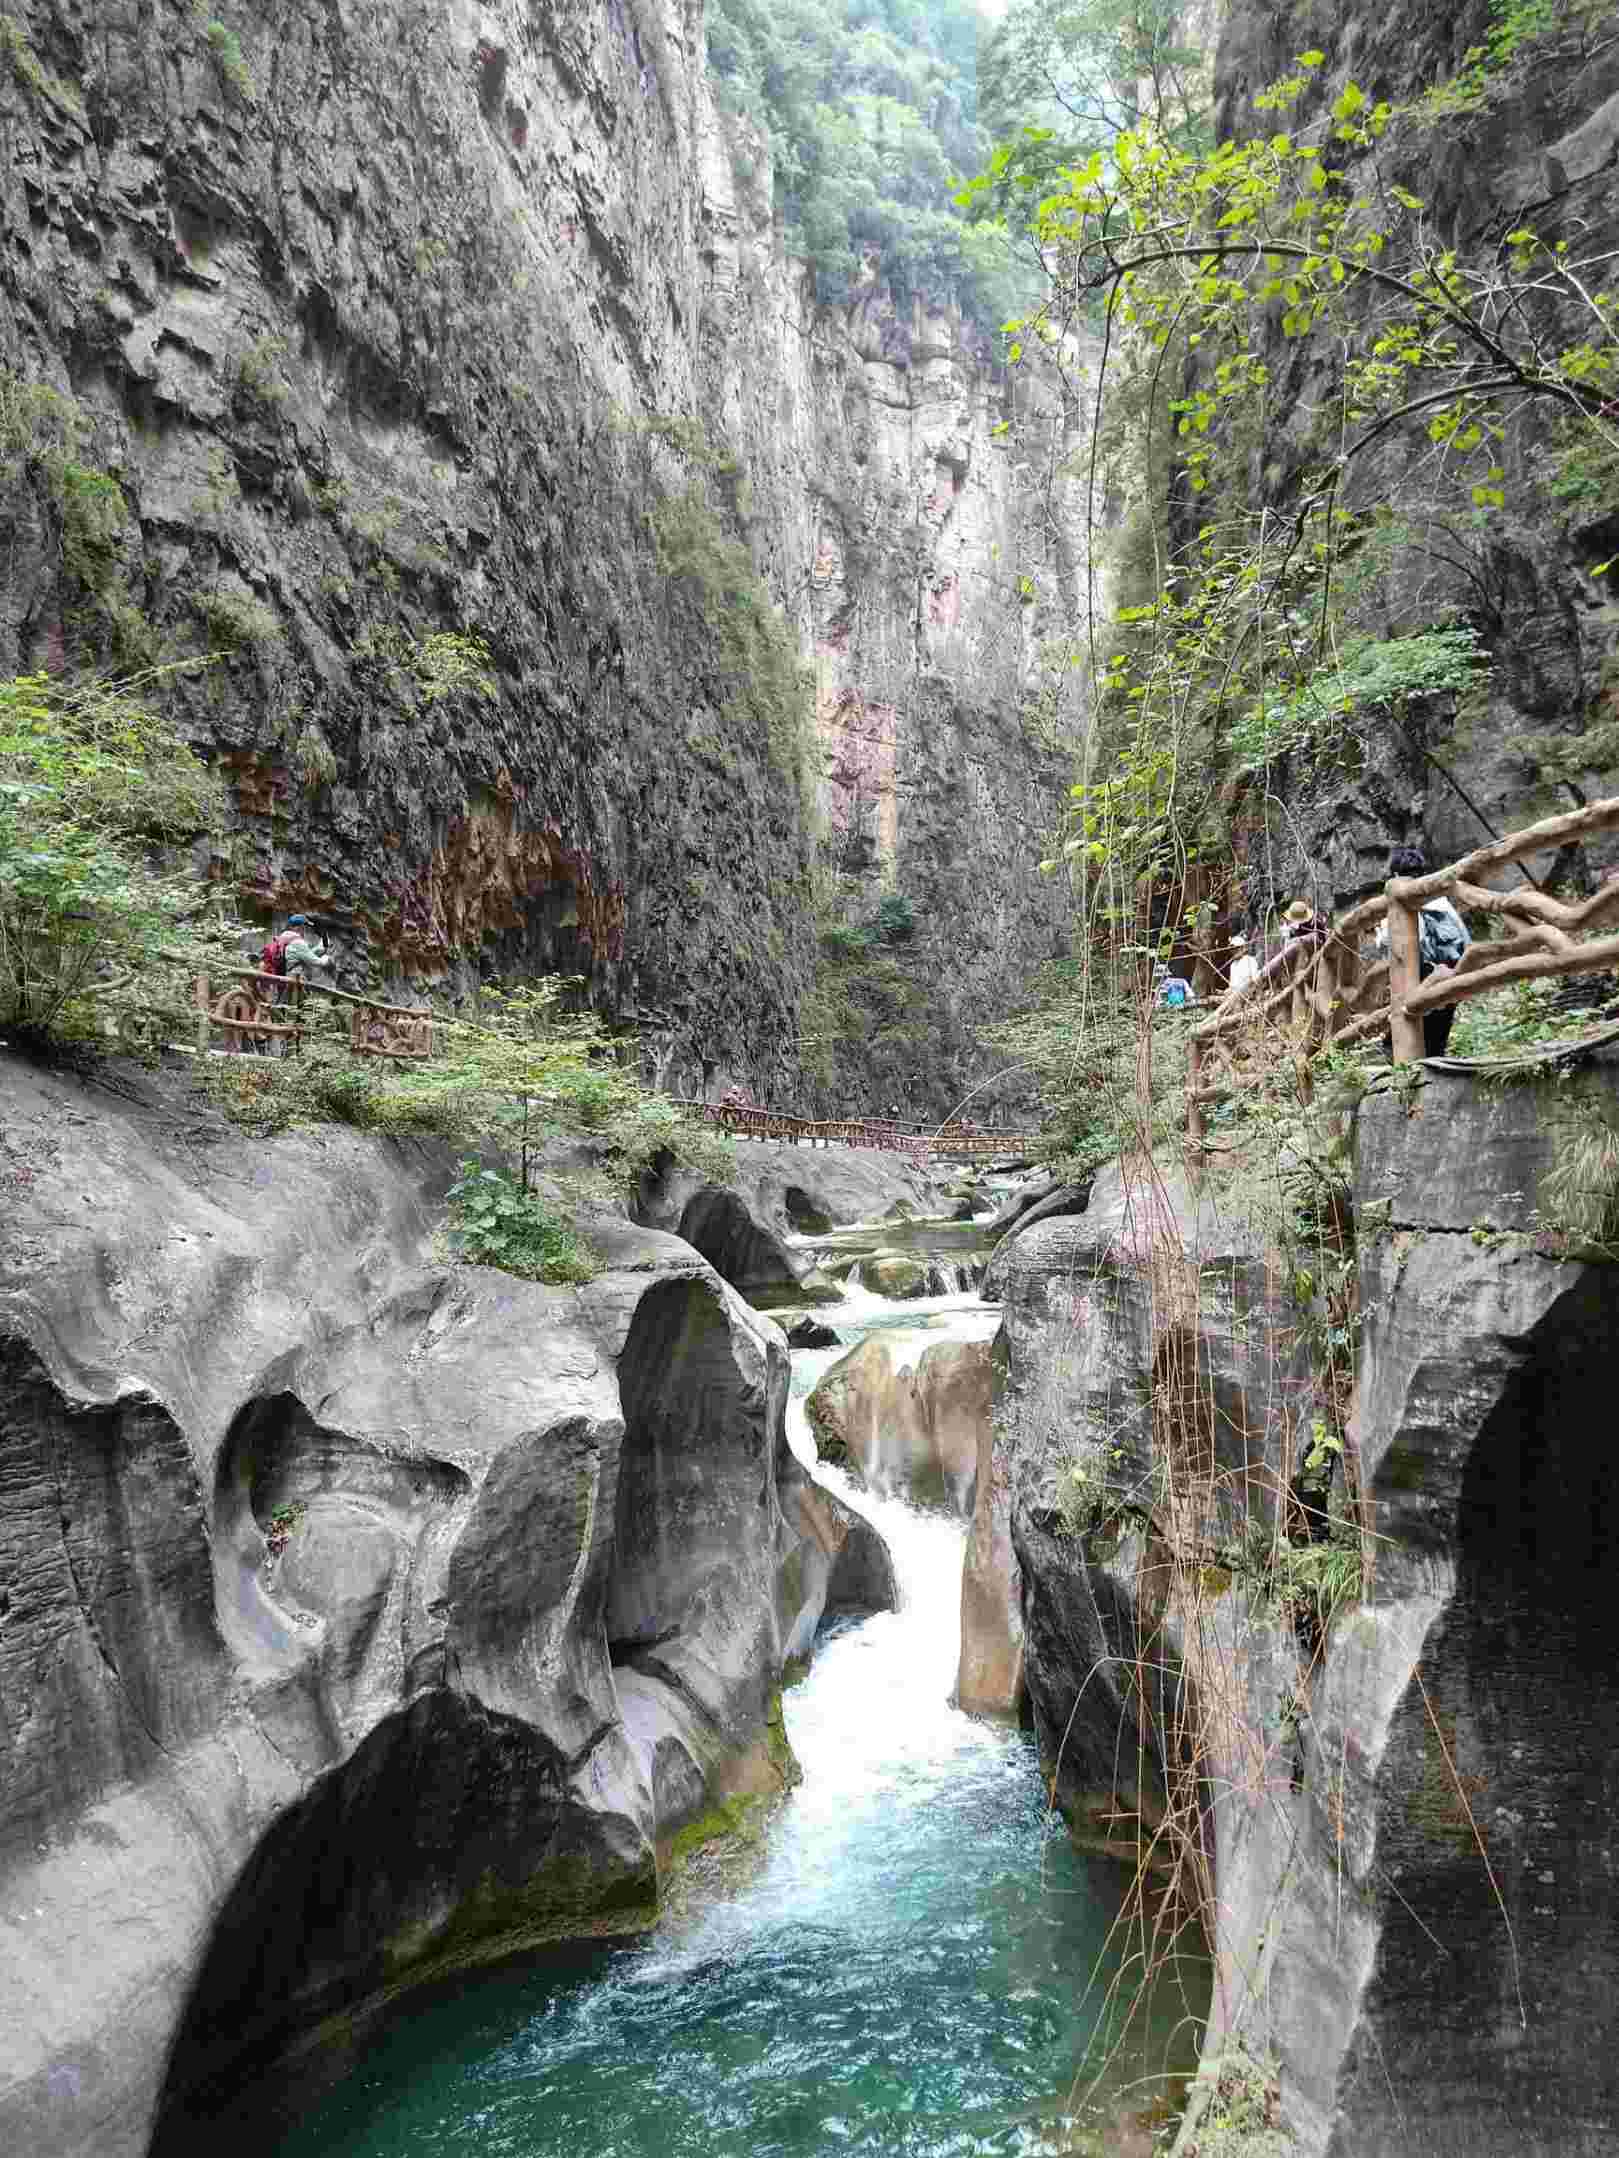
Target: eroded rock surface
{"type": "Point", "coordinates": [990, 1674]}
{"type": "Point", "coordinates": [1351, 1786]}
{"type": "Point", "coordinates": [360, 1618]}
{"type": "Point", "coordinates": [392, 322]}
{"type": "Point", "coordinates": [1471, 1711]}
{"type": "Point", "coordinates": [778, 1192]}
{"type": "Point", "coordinates": [910, 1429]}
{"type": "Point", "coordinates": [1153, 1326]}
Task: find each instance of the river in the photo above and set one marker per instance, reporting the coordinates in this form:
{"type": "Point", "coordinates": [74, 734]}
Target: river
{"type": "Point", "coordinates": [915, 1961]}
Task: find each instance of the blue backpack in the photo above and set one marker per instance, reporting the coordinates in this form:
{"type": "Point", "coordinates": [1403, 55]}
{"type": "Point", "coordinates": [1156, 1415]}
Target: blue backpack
{"type": "Point", "coordinates": [1441, 939]}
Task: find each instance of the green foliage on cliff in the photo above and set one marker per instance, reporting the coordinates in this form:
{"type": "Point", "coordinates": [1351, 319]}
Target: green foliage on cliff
{"type": "Point", "coordinates": [1366, 674]}
{"type": "Point", "coordinates": [870, 112]}
{"type": "Point", "coordinates": [225, 50]}
{"type": "Point", "coordinates": [47, 442]}
{"type": "Point", "coordinates": [498, 1222]}
{"type": "Point", "coordinates": [1273, 611]}
{"type": "Point", "coordinates": [94, 783]}
{"type": "Point", "coordinates": [764, 688]}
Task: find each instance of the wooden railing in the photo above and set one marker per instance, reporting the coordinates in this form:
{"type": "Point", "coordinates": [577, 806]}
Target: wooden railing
{"type": "Point", "coordinates": [259, 1009]}
{"type": "Point", "coordinates": [1323, 992]}
{"type": "Point", "coordinates": [950, 1141]}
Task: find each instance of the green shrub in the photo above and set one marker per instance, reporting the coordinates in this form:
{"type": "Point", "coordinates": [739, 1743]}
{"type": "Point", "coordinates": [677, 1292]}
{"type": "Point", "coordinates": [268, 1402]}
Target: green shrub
{"type": "Point", "coordinates": [497, 1223]}
{"type": "Point", "coordinates": [229, 61]}
{"type": "Point", "coordinates": [1523, 1016]}
{"type": "Point", "coordinates": [257, 371]}
{"type": "Point", "coordinates": [523, 1071]}
{"type": "Point", "coordinates": [895, 919]}
{"type": "Point", "coordinates": [91, 778]}
{"type": "Point", "coordinates": [237, 622]}
{"type": "Point", "coordinates": [845, 940]}
{"type": "Point", "coordinates": [1369, 674]}
{"type": "Point", "coordinates": [28, 70]}
{"type": "Point", "coordinates": [313, 755]}
{"type": "Point", "coordinates": [436, 666]}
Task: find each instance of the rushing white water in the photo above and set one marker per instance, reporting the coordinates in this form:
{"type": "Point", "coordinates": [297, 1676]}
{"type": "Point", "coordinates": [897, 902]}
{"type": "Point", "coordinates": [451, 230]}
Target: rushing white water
{"type": "Point", "coordinates": [914, 1967]}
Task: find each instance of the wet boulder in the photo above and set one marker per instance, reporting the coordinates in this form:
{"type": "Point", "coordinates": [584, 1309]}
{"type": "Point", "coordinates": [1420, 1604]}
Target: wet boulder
{"type": "Point", "coordinates": [808, 1333]}
{"type": "Point", "coordinates": [381, 1616]}
{"type": "Point", "coordinates": [911, 1432]}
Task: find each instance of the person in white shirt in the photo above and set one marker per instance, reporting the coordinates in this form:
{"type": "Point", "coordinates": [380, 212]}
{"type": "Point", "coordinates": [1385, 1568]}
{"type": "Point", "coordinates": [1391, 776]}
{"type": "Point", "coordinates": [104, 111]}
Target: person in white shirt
{"type": "Point", "coordinates": [1244, 968]}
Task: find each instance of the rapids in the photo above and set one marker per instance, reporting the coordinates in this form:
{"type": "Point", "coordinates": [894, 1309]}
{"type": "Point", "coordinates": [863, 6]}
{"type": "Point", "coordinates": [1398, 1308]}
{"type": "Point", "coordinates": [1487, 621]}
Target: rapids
{"type": "Point", "coordinates": [916, 1961]}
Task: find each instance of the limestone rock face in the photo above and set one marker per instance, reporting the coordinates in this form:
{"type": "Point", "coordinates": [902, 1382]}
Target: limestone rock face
{"type": "Point", "coordinates": [1351, 1785]}
{"type": "Point", "coordinates": [415, 321]}
{"type": "Point", "coordinates": [1472, 1708]}
{"type": "Point", "coordinates": [911, 1432]}
{"type": "Point", "coordinates": [363, 1618]}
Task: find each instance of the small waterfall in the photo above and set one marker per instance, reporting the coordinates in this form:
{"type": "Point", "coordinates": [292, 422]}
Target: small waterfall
{"type": "Point", "coordinates": [914, 1967]}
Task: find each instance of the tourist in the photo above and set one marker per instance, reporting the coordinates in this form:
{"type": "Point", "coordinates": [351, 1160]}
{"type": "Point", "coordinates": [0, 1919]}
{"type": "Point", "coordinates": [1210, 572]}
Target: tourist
{"type": "Point", "coordinates": [1244, 967]}
{"type": "Point", "coordinates": [303, 959]}
{"type": "Point", "coordinates": [1299, 922]}
{"type": "Point", "coordinates": [1442, 941]}
{"type": "Point", "coordinates": [1171, 991]}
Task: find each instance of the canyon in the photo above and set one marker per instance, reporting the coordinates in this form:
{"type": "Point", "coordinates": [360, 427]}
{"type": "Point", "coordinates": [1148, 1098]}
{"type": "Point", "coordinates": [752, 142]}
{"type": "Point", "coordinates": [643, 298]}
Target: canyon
{"type": "Point", "coordinates": [582, 596]}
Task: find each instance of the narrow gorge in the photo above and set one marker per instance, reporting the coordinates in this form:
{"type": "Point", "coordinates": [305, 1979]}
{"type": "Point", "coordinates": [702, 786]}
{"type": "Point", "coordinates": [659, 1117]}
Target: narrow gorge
{"type": "Point", "coordinates": [785, 1366]}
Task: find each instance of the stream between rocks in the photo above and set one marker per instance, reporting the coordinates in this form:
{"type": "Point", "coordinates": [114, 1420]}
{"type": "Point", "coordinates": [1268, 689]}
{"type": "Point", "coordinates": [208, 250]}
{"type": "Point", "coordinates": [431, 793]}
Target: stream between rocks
{"type": "Point", "coordinates": [913, 1960]}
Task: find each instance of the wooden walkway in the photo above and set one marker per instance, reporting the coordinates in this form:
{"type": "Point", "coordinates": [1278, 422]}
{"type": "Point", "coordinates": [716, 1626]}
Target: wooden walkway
{"type": "Point", "coordinates": [254, 1012]}
{"type": "Point", "coordinates": [1324, 991]}
{"type": "Point", "coordinates": [950, 1142]}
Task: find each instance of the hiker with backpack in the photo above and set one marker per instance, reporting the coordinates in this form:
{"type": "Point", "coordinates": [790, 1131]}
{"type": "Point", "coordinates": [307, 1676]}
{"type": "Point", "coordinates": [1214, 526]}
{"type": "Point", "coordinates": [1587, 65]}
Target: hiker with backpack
{"type": "Point", "coordinates": [1170, 991]}
{"type": "Point", "coordinates": [292, 957]}
{"type": "Point", "coordinates": [1442, 939]}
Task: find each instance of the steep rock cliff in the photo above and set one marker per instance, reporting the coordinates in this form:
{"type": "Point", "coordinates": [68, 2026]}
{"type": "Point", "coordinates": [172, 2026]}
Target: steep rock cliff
{"type": "Point", "coordinates": [1534, 144]}
{"type": "Point", "coordinates": [360, 1617]}
{"type": "Point", "coordinates": [393, 321]}
{"type": "Point", "coordinates": [1406, 1820]}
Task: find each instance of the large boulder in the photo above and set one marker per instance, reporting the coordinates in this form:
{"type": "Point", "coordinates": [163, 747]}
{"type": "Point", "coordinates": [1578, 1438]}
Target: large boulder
{"type": "Point", "coordinates": [741, 1244]}
{"type": "Point", "coordinates": [990, 1674]}
{"type": "Point", "coordinates": [1444, 1979]}
{"type": "Point", "coordinates": [779, 1192]}
{"type": "Point", "coordinates": [915, 1431]}
{"type": "Point", "coordinates": [361, 1617]}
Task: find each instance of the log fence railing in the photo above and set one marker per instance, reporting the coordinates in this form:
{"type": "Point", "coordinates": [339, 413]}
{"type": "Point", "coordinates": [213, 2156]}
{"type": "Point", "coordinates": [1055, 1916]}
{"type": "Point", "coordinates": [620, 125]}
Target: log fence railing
{"type": "Point", "coordinates": [1323, 992]}
{"type": "Point", "coordinates": [255, 1011]}
{"type": "Point", "coordinates": [258, 1009]}
{"type": "Point", "coordinates": [952, 1141]}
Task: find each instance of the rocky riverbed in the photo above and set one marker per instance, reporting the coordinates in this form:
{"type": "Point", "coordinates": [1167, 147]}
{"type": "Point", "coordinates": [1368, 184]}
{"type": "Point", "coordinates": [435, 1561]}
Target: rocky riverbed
{"type": "Point", "coordinates": [364, 1616]}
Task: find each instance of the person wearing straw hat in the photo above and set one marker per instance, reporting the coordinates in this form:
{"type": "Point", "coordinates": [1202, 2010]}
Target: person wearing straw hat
{"type": "Point", "coordinates": [1298, 920]}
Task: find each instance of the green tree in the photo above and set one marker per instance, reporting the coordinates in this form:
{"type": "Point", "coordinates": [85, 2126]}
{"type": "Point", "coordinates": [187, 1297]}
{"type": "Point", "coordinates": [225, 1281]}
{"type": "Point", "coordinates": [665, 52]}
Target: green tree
{"type": "Point", "coordinates": [96, 790]}
{"type": "Point", "coordinates": [870, 110]}
{"type": "Point", "coordinates": [1057, 84]}
{"type": "Point", "coordinates": [1436, 368]}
